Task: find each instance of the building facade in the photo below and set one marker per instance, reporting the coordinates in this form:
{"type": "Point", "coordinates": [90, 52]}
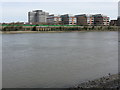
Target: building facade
{"type": "Point", "coordinates": [37, 16]}
{"type": "Point", "coordinates": [57, 20]}
{"type": "Point", "coordinates": [118, 21]}
{"type": "Point", "coordinates": [106, 20]}
{"type": "Point", "coordinates": [64, 19]}
{"type": "Point", "coordinates": [41, 17]}
{"type": "Point", "coordinates": [81, 19]}
{"type": "Point", "coordinates": [54, 20]}
{"type": "Point", "coordinates": [72, 20]}
{"type": "Point", "coordinates": [90, 20]}
{"type": "Point", "coordinates": [97, 20]}
{"type": "Point", "coordinates": [100, 20]}
{"type": "Point", "coordinates": [113, 23]}
{"type": "Point", "coordinates": [50, 19]}
{"type": "Point", "coordinates": [68, 19]}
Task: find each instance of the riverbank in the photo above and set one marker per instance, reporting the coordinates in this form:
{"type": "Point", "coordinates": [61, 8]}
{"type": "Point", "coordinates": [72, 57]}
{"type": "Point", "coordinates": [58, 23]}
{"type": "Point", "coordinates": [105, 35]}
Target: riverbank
{"type": "Point", "coordinates": [58, 28]}
{"type": "Point", "coordinates": [18, 32]}
{"type": "Point", "coordinates": [109, 81]}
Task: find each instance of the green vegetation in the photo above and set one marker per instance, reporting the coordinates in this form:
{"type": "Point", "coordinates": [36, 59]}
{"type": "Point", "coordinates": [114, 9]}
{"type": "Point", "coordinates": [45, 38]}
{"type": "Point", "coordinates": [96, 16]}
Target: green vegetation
{"type": "Point", "coordinates": [12, 28]}
{"type": "Point", "coordinates": [23, 27]}
{"type": "Point", "coordinates": [36, 25]}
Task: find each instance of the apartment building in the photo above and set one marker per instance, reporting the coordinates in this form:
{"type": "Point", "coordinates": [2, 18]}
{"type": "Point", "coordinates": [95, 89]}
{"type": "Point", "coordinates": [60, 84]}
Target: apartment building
{"type": "Point", "coordinates": [57, 20]}
{"type": "Point", "coordinates": [68, 19]}
{"type": "Point", "coordinates": [106, 21]}
{"type": "Point", "coordinates": [54, 20]}
{"type": "Point", "coordinates": [100, 20]}
{"type": "Point", "coordinates": [81, 19]}
{"type": "Point", "coordinates": [41, 17]}
{"type": "Point", "coordinates": [37, 16]}
{"type": "Point", "coordinates": [90, 20]}
{"type": "Point", "coordinates": [50, 19]}
{"type": "Point", "coordinates": [97, 20]}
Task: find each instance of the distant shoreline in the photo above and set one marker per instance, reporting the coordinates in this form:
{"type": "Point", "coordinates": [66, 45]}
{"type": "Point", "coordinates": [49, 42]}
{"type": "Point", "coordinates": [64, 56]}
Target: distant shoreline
{"type": "Point", "coordinates": [18, 32]}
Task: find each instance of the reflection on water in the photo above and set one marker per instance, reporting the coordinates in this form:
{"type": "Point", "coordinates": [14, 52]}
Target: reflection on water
{"type": "Point", "coordinates": [57, 59]}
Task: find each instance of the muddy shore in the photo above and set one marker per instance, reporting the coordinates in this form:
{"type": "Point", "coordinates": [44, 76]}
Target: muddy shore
{"type": "Point", "coordinates": [20, 32]}
{"type": "Point", "coordinates": [109, 81]}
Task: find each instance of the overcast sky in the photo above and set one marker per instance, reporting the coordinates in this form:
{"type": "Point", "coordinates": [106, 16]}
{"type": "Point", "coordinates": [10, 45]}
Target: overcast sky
{"type": "Point", "coordinates": [16, 10]}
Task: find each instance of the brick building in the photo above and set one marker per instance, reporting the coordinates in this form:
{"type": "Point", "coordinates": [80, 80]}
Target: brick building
{"type": "Point", "coordinates": [81, 19]}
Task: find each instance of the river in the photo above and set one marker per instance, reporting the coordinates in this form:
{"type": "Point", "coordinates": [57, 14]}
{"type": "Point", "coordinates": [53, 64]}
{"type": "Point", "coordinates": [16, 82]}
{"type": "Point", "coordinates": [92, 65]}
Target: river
{"type": "Point", "coordinates": [57, 60]}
